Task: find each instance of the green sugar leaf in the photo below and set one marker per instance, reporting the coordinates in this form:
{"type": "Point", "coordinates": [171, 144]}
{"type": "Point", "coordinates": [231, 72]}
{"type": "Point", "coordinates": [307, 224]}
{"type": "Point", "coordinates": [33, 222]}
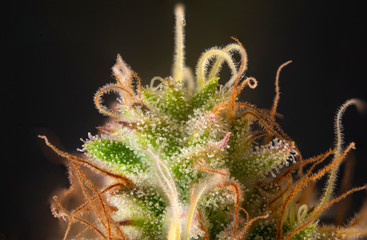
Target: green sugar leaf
{"type": "Point", "coordinates": [262, 231]}
{"type": "Point", "coordinates": [217, 206]}
{"type": "Point", "coordinates": [170, 101]}
{"type": "Point", "coordinates": [305, 233]}
{"type": "Point", "coordinates": [149, 95]}
{"type": "Point", "coordinates": [112, 151]}
{"type": "Point", "coordinates": [205, 95]}
{"type": "Point", "coordinates": [148, 210]}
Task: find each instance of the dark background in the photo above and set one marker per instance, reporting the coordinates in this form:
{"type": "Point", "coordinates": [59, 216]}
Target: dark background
{"type": "Point", "coordinates": [58, 53]}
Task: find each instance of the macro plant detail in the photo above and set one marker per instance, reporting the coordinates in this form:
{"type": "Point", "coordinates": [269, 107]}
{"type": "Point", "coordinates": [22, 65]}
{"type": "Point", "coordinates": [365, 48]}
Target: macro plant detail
{"type": "Point", "coordinates": [182, 158]}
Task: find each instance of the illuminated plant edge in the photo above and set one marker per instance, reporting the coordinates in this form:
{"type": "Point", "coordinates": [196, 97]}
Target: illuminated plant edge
{"type": "Point", "coordinates": [184, 159]}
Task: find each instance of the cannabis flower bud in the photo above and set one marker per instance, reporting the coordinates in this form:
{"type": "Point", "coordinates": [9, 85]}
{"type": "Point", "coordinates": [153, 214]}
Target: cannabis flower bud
{"type": "Point", "coordinates": [182, 158]}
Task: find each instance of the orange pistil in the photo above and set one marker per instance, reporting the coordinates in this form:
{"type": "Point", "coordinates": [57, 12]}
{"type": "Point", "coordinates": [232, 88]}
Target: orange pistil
{"type": "Point", "coordinates": [236, 190]}
{"type": "Point", "coordinates": [244, 230]}
{"type": "Point", "coordinates": [105, 89]}
{"type": "Point", "coordinates": [301, 183]}
{"type": "Point", "coordinates": [314, 216]}
{"type": "Point", "coordinates": [100, 207]}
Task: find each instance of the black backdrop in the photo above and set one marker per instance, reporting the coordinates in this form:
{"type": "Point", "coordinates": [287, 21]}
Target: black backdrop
{"type": "Point", "coordinates": [58, 53]}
